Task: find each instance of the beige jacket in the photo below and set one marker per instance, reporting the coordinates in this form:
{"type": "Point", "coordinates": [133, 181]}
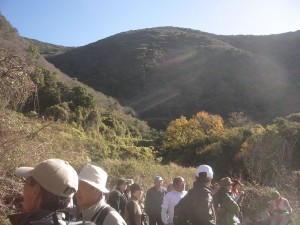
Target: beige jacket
{"type": "Point", "coordinates": [112, 218]}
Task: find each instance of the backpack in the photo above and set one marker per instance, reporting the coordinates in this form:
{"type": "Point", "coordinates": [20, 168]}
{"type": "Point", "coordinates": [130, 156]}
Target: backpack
{"type": "Point", "coordinates": [59, 218]}
{"type": "Point", "coordinates": [102, 213]}
{"type": "Point", "coordinates": [182, 212]}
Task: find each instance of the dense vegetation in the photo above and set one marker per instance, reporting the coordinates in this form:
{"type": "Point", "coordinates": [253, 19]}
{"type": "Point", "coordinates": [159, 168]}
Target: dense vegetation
{"type": "Point", "coordinates": [237, 148]}
{"type": "Point", "coordinates": [43, 114]}
{"type": "Point", "coordinates": [167, 72]}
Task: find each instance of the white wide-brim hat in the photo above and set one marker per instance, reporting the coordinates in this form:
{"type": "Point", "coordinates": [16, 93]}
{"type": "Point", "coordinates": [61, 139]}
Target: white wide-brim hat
{"type": "Point", "coordinates": [95, 176]}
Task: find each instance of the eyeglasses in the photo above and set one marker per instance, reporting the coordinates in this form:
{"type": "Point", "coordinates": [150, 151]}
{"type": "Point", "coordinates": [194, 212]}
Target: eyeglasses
{"type": "Point", "coordinates": [29, 180]}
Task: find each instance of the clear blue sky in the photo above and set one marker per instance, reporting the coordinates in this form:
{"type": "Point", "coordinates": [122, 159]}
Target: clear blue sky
{"type": "Point", "coordinates": [80, 22]}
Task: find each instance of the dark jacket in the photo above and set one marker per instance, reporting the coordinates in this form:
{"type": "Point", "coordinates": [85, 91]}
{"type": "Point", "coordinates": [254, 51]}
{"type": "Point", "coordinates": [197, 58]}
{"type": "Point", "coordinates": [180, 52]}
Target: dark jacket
{"type": "Point", "coordinates": [196, 207]}
{"type": "Point", "coordinates": [117, 200]}
{"type": "Point", "coordinates": [153, 201]}
{"type": "Point", "coordinates": [226, 207]}
{"type": "Point", "coordinates": [32, 218]}
{"type": "Point", "coordinates": [41, 217]}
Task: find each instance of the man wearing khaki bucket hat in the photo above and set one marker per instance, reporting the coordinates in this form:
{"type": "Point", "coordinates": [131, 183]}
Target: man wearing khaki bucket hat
{"type": "Point", "coordinates": [90, 198]}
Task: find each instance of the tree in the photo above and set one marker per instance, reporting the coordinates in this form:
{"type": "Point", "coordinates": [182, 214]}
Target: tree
{"type": "Point", "coordinates": [178, 134]}
{"type": "Point", "coordinates": [80, 97]}
{"type": "Point", "coordinates": [15, 83]}
{"type": "Point", "coordinates": [208, 123]}
{"type": "Point", "coordinates": [184, 139]}
{"type": "Point", "coordinates": [48, 97]}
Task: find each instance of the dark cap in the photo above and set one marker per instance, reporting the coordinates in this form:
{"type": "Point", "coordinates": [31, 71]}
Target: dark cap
{"type": "Point", "coordinates": [120, 181]}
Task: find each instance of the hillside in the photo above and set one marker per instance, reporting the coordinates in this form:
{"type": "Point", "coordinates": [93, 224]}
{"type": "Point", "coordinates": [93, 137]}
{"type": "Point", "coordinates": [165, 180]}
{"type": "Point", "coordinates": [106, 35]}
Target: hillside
{"type": "Point", "coordinates": [32, 88]}
{"type": "Point", "coordinates": [46, 114]}
{"type": "Point", "coordinates": [166, 72]}
{"type": "Point", "coordinates": [47, 49]}
{"type": "Point", "coordinates": [31, 51]}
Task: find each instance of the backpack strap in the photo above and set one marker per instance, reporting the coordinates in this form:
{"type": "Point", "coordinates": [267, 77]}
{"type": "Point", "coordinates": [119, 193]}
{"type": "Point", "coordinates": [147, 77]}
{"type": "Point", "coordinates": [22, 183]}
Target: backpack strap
{"type": "Point", "coordinates": [103, 212]}
{"type": "Point", "coordinates": [55, 218]}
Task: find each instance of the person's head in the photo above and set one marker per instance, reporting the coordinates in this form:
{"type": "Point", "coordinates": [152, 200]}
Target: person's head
{"type": "Point", "coordinates": [226, 183]}
{"type": "Point", "coordinates": [158, 182]}
{"type": "Point", "coordinates": [179, 184]}
{"type": "Point", "coordinates": [236, 183]}
{"type": "Point", "coordinates": [92, 185]}
{"type": "Point", "coordinates": [275, 195]}
{"type": "Point", "coordinates": [136, 191]}
{"type": "Point", "coordinates": [121, 184]}
{"type": "Point", "coordinates": [129, 183]}
{"type": "Point", "coordinates": [50, 185]}
{"type": "Point", "coordinates": [204, 175]}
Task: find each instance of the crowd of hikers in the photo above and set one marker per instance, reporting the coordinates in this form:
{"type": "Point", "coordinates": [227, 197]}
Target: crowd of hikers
{"type": "Point", "coordinates": [54, 193]}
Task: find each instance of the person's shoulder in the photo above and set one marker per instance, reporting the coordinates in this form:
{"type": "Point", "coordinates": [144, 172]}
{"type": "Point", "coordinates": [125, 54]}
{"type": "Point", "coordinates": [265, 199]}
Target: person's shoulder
{"type": "Point", "coordinates": [169, 194]}
{"type": "Point", "coordinates": [175, 193]}
{"type": "Point", "coordinates": [284, 199]}
{"type": "Point", "coordinates": [114, 192]}
{"type": "Point", "coordinates": [180, 195]}
{"type": "Point", "coordinates": [131, 202]}
{"type": "Point", "coordinates": [114, 218]}
{"type": "Point", "coordinates": [200, 189]}
{"type": "Point", "coordinates": [228, 198]}
{"type": "Point", "coordinates": [151, 189]}
{"type": "Point", "coordinates": [199, 193]}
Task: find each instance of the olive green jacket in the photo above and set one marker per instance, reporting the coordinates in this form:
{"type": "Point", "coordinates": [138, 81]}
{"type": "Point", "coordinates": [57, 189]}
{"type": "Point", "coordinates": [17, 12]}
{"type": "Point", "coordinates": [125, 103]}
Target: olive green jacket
{"type": "Point", "coordinates": [227, 209]}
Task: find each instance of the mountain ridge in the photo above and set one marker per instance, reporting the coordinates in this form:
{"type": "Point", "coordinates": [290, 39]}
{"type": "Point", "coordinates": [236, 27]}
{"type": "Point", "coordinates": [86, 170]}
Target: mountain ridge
{"type": "Point", "coordinates": [166, 72]}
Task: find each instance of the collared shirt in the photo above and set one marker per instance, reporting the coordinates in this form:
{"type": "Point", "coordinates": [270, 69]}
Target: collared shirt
{"type": "Point", "coordinates": [170, 200]}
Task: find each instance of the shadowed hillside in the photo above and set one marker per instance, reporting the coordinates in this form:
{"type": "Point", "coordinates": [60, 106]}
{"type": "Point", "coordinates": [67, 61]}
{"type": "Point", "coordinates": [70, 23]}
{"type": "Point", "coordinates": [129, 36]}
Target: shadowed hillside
{"type": "Point", "coordinates": [34, 88]}
{"type": "Point", "coordinates": [167, 72]}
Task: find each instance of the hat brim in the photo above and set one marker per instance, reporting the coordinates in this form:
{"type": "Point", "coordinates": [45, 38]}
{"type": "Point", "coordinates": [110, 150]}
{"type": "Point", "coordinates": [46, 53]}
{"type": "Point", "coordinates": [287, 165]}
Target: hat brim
{"type": "Point", "coordinates": [24, 172]}
{"type": "Point", "coordinates": [95, 185]}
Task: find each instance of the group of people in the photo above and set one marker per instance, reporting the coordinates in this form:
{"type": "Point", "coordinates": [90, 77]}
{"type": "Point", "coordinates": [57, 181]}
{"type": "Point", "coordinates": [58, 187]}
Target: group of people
{"type": "Point", "coordinates": [50, 186]}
